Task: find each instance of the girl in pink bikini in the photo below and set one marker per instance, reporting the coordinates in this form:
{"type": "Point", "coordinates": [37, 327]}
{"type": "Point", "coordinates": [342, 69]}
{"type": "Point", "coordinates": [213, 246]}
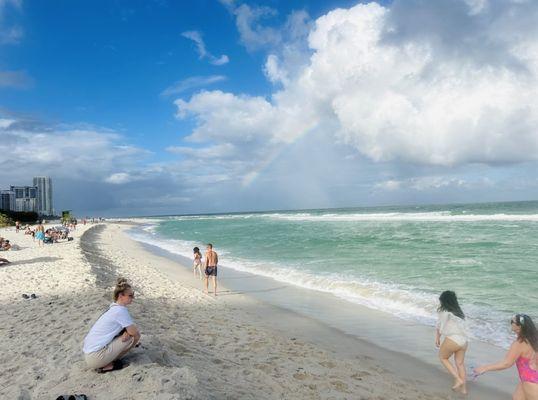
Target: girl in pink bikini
{"type": "Point", "coordinates": [523, 353]}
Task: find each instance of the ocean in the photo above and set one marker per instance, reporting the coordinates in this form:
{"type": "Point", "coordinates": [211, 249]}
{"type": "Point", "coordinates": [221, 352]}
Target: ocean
{"type": "Point", "coordinates": [393, 259]}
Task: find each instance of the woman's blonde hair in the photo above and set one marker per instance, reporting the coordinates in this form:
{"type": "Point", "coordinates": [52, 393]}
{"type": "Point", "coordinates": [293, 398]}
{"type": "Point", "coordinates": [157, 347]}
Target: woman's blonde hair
{"type": "Point", "coordinates": [121, 286]}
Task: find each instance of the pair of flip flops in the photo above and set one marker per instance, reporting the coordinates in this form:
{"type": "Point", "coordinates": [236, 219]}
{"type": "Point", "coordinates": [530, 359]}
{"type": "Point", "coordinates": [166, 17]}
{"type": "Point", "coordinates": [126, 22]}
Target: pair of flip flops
{"type": "Point", "coordinates": [116, 366]}
{"type": "Point", "coordinates": [72, 397]}
{"type": "Point", "coordinates": [32, 296]}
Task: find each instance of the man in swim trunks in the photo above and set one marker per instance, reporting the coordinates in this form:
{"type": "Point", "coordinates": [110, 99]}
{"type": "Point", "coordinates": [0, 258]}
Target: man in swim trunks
{"type": "Point", "coordinates": [211, 262]}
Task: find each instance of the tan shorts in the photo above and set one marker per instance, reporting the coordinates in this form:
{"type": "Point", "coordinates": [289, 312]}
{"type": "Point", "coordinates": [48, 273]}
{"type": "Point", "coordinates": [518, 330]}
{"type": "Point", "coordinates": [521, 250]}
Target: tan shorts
{"type": "Point", "coordinates": [107, 354]}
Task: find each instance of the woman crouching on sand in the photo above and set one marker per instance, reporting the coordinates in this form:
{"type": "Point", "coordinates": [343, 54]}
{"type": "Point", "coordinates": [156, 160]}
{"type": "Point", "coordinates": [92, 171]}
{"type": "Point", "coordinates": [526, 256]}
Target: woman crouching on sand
{"type": "Point", "coordinates": [113, 334]}
{"type": "Point", "coordinates": [523, 353]}
{"type": "Point", "coordinates": [451, 325]}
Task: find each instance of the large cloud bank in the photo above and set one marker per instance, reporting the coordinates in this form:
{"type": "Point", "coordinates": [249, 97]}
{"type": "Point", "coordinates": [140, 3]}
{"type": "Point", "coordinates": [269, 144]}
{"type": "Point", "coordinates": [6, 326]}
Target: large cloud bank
{"type": "Point", "coordinates": [420, 82]}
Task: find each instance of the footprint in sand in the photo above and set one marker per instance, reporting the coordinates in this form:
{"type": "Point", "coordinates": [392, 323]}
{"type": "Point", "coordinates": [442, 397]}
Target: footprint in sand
{"type": "Point", "coordinates": [327, 364]}
{"type": "Point", "coordinates": [359, 376]}
{"type": "Point", "coordinates": [301, 376]}
{"type": "Point", "coordinates": [340, 386]}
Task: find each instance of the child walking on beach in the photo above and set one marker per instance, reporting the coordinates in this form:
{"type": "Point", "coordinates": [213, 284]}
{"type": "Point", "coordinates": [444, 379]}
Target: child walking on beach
{"type": "Point", "coordinates": [522, 352]}
{"type": "Point", "coordinates": [197, 264]}
{"type": "Point", "coordinates": [40, 234]}
{"type": "Point", "coordinates": [451, 325]}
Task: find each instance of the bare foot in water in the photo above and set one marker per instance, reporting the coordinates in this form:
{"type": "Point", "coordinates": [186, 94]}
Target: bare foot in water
{"type": "Point", "coordinates": [459, 385]}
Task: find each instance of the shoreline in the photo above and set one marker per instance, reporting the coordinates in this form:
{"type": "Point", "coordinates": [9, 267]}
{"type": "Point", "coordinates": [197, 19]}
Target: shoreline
{"type": "Point", "coordinates": [326, 335]}
{"type": "Point", "coordinates": [375, 327]}
{"type": "Point", "coordinates": [193, 346]}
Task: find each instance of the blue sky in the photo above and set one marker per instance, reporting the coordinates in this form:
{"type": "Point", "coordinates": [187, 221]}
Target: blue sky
{"type": "Point", "coordinates": [106, 62]}
{"type": "Point", "coordinates": [158, 107]}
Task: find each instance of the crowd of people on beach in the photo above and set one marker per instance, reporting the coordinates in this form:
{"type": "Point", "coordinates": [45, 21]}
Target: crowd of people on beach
{"type": "Point", "coordinates": [50, 235]}
{"type": "Point", "coordinates": [40, 234]}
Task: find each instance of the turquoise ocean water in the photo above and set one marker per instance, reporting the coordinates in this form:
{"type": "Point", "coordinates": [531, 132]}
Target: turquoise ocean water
{"type": "Point", "coordinates": [393, 259]}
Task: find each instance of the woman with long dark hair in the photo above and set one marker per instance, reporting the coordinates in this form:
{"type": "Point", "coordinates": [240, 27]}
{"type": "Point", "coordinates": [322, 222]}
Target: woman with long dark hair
{"type": "Point", "coordinates": [451, 325]}
{"type": "Point", "coordinates": [522, 352]}
{"type": "Point", "coordinates": [197, 262]}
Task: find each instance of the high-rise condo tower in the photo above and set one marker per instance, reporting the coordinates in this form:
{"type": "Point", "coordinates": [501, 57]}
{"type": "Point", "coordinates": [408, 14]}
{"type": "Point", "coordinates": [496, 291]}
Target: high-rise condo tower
{"type": "Point", "coordinates": [44, 195]}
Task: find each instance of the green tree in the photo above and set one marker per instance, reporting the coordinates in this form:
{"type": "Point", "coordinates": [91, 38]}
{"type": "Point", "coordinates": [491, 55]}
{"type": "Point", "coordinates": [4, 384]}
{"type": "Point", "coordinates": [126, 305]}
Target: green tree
{"type": "Point", "coordinates": [5, 221]}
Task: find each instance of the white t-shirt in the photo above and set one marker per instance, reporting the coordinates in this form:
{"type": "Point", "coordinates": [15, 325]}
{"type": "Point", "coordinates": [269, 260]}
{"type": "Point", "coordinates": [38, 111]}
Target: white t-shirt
{"type": "Point", "coordinates": [107, 327]}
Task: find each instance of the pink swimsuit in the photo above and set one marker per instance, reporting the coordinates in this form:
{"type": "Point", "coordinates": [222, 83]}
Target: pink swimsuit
{"type": "Point", "coordinates": [526, 373]}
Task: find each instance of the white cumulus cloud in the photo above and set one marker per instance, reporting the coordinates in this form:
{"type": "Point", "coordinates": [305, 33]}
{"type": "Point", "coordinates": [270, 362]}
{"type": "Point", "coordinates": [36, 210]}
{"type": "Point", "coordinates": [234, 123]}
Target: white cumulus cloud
{"type": "Point", "coordinates": [246, 119]}
{"type": "Point", "coordinates": [457, 87]}
{"type": "Point", "coordinates": [414, 99]}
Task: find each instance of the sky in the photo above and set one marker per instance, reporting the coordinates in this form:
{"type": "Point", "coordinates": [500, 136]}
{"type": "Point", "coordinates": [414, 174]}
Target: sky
{"type": "Point", "coordinates": [173, 107]}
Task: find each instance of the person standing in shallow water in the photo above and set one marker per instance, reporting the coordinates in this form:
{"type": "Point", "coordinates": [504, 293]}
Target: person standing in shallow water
{"type": "Point", "coordinates": [524, 353]}
{"type": "Point", "coordinates": [197, 263]}
{"type": "Point", "coordinates": [451, 325]}
{"type": "Point", "coordinates": [211, 262]}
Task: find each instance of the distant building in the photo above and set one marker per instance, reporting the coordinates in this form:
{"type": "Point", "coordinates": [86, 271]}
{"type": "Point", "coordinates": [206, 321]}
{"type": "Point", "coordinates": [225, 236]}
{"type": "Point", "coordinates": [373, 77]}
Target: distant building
{"type": "Point", "coordinates": [44, 195]}
{"type": "Point", "coordinates": [25, 198]}
{"type": "Point", "coordinates": [7, 200]}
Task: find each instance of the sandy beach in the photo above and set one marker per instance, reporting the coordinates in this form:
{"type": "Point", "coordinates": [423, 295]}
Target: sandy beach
{"type": "Point", "coordinates": [194, 346]}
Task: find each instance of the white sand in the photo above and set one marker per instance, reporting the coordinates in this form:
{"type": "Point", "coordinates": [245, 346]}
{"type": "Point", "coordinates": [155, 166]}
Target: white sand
{"type": "Point", "coordinates": [193, 345]}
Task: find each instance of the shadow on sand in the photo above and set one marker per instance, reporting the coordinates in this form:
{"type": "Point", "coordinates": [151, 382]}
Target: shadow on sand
{"type": "Point", "coordinates": [36, 260]}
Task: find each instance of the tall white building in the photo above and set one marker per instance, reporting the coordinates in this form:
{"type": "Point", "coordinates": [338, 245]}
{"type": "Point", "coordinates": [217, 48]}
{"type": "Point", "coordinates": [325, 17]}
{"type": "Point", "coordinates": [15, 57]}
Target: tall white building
{"type": "Point", "coordinates": [44, 195]}
{"type": "Point", "coordinates": [25, 198]}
